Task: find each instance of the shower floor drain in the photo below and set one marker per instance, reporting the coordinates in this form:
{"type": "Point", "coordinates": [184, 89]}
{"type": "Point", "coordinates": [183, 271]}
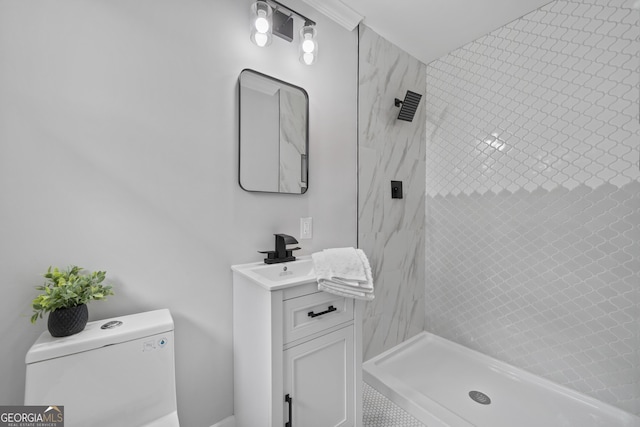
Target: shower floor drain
{"type": "Point", "coordinates": [480, 397]}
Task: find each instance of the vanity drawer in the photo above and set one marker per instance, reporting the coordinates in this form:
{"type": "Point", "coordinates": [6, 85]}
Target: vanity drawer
{"type": "Point", "coordinates": [313, 313]}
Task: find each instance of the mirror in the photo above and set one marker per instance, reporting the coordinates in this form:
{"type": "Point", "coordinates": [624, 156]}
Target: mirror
{"type": "Point", "coordinates": [274, 135]}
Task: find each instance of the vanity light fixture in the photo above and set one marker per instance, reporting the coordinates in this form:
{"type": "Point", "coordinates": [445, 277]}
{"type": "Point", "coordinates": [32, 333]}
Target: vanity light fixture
{"type": "Point", "coordinates": [261, 23]}
{"type": "Point", "coordinates": [269, 17]}
{"type": "Point", "coordinates": [308, 44]}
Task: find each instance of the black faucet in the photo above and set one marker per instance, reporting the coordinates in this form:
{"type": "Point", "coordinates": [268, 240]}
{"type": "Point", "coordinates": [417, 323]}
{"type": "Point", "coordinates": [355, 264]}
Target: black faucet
{"type": "Point", "coordinates": [281, 254]}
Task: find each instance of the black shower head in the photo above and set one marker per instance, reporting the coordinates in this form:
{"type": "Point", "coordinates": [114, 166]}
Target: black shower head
{"type": "Point", "coordinates": [409, 106]}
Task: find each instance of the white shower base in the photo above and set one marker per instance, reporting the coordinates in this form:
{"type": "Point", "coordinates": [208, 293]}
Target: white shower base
{"type": "Point", "coordinates": [431, 378]}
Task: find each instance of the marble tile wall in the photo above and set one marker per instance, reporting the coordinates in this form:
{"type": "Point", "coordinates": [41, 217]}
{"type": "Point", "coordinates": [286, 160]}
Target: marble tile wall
{"type": "Point", "coordinates": [391, 231]}
{"type": "Point", "coordinates": [533, 196]}
{"type": "Point", "coordinates": [293, 137]}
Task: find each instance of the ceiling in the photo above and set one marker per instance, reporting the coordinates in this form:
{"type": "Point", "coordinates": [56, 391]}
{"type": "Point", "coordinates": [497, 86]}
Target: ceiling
{"type": "Point", "coordinates": [429, 29]}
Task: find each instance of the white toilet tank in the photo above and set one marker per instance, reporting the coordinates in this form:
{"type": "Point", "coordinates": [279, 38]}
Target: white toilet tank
{"type": "Point", "coordinates": [117, 372]}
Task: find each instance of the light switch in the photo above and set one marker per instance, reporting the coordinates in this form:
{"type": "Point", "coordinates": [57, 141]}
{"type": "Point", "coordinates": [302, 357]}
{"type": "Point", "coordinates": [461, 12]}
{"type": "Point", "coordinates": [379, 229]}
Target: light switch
{"type": "Point", "coordinates": [306, 228]}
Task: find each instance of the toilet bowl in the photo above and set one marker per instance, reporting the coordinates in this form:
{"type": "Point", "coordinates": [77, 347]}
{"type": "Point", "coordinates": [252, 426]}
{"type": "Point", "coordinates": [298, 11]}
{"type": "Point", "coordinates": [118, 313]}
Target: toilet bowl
{"type": "Point", "coordinates": [116, 372]}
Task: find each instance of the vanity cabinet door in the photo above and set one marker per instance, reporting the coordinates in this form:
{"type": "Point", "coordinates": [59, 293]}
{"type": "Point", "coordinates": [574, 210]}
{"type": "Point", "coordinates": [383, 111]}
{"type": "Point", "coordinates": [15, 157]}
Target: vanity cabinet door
{"type": "Point", "coordinates": [319, 379]}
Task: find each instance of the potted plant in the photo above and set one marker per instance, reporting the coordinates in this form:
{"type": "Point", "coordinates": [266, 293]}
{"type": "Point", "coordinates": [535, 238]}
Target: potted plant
{"type": "Point", "coordinates": [64, 296]}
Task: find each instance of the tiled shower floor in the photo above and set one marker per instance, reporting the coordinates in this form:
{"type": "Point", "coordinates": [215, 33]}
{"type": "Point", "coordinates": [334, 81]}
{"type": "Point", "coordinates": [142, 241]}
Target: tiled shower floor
{"type": "Point", "coordinates": [378, 411]}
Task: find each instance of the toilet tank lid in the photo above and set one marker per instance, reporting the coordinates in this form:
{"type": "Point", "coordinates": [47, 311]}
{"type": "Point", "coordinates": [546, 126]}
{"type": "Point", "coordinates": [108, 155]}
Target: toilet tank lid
{"type": "Point", "coordinates": [133, 326]}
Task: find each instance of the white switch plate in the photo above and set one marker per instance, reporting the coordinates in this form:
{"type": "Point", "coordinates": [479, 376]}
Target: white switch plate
{"type": "Point", "coordinates": [306, 228]}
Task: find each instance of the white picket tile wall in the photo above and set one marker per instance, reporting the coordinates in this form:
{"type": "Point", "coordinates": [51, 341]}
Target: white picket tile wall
{"type": "Point", "coordinates": [533, 196]}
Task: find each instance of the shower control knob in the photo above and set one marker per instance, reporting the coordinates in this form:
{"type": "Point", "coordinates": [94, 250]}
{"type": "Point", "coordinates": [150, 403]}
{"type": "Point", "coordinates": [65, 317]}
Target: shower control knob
{"type": "Point", "coordinates": [396, 189]}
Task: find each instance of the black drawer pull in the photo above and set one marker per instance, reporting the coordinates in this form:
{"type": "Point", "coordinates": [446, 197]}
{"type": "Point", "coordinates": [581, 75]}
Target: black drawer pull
{"type": "Point", "coordinates": [328, 310]}
{"type": "Point", "coordinates": [289, 400]}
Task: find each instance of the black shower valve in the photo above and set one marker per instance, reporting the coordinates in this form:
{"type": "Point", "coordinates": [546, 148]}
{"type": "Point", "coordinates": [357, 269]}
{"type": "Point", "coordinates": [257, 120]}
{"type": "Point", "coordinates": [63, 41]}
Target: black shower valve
{"type": "Point", "coordinates": [396, 189]}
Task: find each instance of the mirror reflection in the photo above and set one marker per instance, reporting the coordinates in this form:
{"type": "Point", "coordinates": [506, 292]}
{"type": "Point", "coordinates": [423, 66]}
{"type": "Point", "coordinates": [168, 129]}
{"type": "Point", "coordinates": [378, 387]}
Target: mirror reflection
{"type": "Point", "coordinates": [273, 135]}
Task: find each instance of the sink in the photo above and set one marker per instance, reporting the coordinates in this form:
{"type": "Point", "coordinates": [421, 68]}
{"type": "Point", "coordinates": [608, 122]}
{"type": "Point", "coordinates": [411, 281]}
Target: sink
{"type": "Point", "coordinates": [278, 276]}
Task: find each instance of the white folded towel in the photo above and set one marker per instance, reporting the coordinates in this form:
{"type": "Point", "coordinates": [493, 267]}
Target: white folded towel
{"type": "Point", "coordinates": [345, 264]}
{"type": "Point", "coordinates": [345, 272]}
{"type": "Point", "coordinates": [339, 290]}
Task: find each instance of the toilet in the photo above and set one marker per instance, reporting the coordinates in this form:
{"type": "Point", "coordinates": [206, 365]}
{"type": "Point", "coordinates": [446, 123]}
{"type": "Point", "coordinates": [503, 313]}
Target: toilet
{"type": "Point", "coordinates": [116, 372]}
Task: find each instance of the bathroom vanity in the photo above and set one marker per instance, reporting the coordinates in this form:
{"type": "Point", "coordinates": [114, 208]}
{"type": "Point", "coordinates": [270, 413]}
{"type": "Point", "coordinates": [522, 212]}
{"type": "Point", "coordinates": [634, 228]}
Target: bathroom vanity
{"type": "Point", "coordinates": [297, 350]}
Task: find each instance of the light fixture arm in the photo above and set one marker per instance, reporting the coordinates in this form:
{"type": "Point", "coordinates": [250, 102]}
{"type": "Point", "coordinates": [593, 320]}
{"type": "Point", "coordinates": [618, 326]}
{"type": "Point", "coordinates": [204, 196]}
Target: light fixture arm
{"type": "Point", "coordinates": [281, 6]}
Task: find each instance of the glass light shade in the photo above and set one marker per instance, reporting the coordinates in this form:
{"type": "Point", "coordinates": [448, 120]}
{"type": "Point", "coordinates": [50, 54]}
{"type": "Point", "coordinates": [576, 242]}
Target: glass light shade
{"type": "Point", "coordinates": [308, 58]}
{"type": "Point", "coordinates": [261, 23]}
{"type": "Point", "coordinates": [261, 39]}
{"type": "Point", "coordinates": [308, 45]}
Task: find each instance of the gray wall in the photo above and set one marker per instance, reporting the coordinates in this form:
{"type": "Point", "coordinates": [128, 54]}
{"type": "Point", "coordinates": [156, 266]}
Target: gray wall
{"type": "Point", "coordinates": [533, 197]}
{"type": "Point", "coordinates": [118, 151]}
{"type": "Point", "coordinates": [391, 231]}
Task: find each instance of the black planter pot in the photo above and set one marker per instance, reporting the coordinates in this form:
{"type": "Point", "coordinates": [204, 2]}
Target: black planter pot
{"type": "Point", "coordinates": [68, 321]}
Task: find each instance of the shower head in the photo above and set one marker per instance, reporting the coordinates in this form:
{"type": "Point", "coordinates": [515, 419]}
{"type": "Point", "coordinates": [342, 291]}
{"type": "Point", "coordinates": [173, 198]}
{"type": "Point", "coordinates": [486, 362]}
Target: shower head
{"type": "Point", "coordinates": [409, 106]}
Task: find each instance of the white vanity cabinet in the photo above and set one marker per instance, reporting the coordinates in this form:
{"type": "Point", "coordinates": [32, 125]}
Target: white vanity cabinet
{"type": "Point", "coordinates": [297, 352]}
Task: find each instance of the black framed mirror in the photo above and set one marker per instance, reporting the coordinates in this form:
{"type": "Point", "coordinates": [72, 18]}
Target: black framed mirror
{"type": "Point", "coordinates": [274, 135]}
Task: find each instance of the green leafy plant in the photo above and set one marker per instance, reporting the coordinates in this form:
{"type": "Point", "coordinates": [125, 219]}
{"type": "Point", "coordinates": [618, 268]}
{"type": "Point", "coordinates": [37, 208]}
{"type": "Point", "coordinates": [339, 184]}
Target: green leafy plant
{"type": "Point", "coordinates": [68, 288]}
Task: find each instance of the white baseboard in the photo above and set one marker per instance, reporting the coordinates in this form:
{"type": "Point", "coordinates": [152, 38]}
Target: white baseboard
{"type": "Point", "coordinates": [227, 422]}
